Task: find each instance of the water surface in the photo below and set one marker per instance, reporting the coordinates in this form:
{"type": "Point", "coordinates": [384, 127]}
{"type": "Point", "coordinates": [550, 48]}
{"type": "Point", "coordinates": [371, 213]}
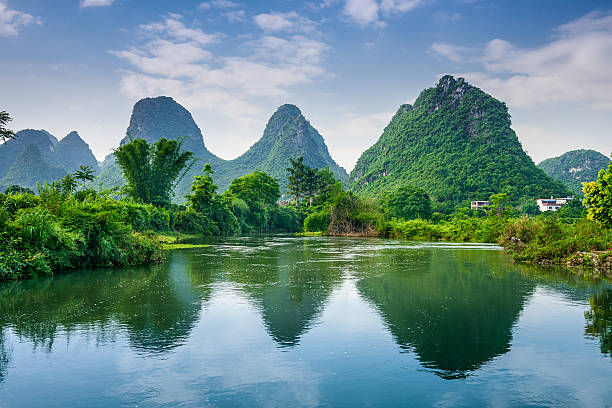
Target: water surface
{"type": "Point", "coordinates": [284, 321]}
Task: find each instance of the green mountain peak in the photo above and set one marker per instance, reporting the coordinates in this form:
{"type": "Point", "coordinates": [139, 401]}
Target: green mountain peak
{"type": "Point", "coordinates": [456, 143]}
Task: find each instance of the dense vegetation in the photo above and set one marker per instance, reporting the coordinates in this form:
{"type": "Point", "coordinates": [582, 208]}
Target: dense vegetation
{"type": "Point", "coordinates": [575, 167]}
{"type": "Point", "coordinates": [456, 143]}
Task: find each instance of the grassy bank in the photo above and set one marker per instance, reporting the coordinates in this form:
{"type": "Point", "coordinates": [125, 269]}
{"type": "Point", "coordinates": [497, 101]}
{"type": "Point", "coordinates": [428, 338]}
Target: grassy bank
{"type": "Point", "coordinates": [540, 239]}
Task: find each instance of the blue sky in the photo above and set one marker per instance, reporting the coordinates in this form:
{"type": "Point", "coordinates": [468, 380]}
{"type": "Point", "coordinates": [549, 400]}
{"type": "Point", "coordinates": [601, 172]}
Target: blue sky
{"type": "Point", "coordinates": [348, 64]}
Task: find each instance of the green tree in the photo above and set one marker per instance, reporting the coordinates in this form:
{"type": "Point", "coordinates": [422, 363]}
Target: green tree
{"type": "Point", "coordinates": [5, 134]}
{"type": "Point", "coordinates": [204, 192]}
{"type": "Point", "coordinates": [260, 192]}
{"type": "Point", "coordinates": [498, 203]}
{"type": "Point", "coordinates": [598, 198]}
{"type": "Point", "coordinates": [406, 202]}
{"type": "Point", "coordinates": [152, 170]}
{"type": "Point", "coordinates": [297, 178]}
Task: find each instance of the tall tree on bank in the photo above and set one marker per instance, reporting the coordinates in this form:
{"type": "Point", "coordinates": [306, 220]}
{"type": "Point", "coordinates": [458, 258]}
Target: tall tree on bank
{"type": "Point", "coordinates": [307, 182]}
{"type": "Point", "coordinates": [598, 198]}
{"type": "Point", "coordinates": [5, 134]}
{"type": "Point", "coordinates": [152, 170]}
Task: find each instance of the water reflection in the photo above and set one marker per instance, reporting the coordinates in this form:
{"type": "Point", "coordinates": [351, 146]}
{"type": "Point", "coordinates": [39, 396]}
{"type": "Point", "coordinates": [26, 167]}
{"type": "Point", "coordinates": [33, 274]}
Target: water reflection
{"type": "Point", "coordinates": [156, 306]}
{"type": "Point", "coordinates": [449, 309]}
{"type": "Point", "coordinates": [599, 319]}
{"type": "Point", "coordinates": [455, 312]}
{"type": "Point", "coordinates": [289, 281]}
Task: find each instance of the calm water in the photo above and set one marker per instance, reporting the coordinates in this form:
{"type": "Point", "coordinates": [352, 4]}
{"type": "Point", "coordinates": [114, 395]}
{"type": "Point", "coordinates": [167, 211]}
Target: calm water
{"type": "Point", "coordinates": [283, 321]}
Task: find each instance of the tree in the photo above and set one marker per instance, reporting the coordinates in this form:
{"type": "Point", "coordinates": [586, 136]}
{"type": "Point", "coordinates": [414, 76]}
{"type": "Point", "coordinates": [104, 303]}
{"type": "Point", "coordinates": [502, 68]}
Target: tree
{"type": "Point", "coordinates": [204, 192]}
{"type": "Point", "coordinates": [5, 134]}
{"type": "Point", "coordinates": [406, 202]}
{"type": "Point", "coordinates": [598, 198]}
{"type": "Point", "coordinates": [260, 192]}
{"type": "Point", "coordinates": [297, 174]}
{"type": "Point", "coordinates": [152, 170]}
{"type": "Point", "coordinates": [307, 182]}
{"type": "Point", "coordinates": [497, 203]}
{"type": "Point", "coordinates": [212, 208]}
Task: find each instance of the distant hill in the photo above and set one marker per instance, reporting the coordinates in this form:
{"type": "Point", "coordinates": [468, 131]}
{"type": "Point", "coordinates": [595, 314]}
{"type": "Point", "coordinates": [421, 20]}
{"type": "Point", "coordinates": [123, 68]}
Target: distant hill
{"type": "Point", "coordinates": [72, 152]}
{"type": "Point", "coordinates": [53, 159]}
{"type": "Point", "coordinates": [287, 135]}
{"type": "Point", "coordinates": [575, 167]}
{"type": "Point", "coordinates": [30, 168]}
{"type": "Point", "coordinates": [156, 118]}
{"type": "Point", "coordinates": [457, 144]}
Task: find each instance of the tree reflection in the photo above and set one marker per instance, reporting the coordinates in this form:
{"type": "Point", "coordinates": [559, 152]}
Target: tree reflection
{"type": "Point", "coordinates": [599, 320]}
{"type": "Point", "coordinates": [157, 306]}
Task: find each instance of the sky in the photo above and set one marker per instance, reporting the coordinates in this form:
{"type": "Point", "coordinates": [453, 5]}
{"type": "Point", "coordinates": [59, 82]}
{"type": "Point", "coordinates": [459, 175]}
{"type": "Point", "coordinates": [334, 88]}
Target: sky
{"type": "Point", "coordinates": [347, 64]}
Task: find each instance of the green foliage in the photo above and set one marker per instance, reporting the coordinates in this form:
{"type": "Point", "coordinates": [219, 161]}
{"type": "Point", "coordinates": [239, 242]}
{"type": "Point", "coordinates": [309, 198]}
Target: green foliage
{"type": "Point", "coordinates": [351, 214]}
{"type": "Point", "coordinates": [15, 189]}
{"type": "Point", "coordinates": [151, 170]}
{"type": "Point", "coordinates": [548, 238]}
{"type": "Point", "coordinates": [317, 222]}
{"type": "Point", "coordinates": [192, 222]}
{"type": "Point", "coordinates": [209, 213]}
{"type": "Point", "coordinates": [575, 167]}
{"type": "Point", "coordinates": [457, 144]}
{"type": "Point", "coordinates": [56, 231]}
{"type": "Point", "coordinates": [406, 202]}
{"type": "Point", "coordinates": [5, 134]}
{"type": "Point", "coordinates": [598, 198]}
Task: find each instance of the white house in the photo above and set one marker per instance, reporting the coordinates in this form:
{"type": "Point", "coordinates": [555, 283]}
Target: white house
{"type": "Point", "coordinates": [478, 204]}
{"type": "Point", "coordinates": [552, 204]}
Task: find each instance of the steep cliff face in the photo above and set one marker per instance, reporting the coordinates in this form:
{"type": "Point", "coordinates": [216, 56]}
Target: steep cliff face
{"type": "Point", "coordinates": [156, 118]}
{"type": "Point", "coordinates": [457, 144]}
{"type": "Point", "coordinates": [72, 152]}
{"type": "Point", "coordinates": [575, 167]}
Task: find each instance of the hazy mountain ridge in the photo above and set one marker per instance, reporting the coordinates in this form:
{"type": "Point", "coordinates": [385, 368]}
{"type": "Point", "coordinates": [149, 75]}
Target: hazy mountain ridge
{"type": "Point", "coordinates": [37, 156]}
{"type": "Point", "coordinates": [575, 167]}
{"type": "Point", "coordinates": [457, 144]}
{"type": "Point", "coordinates": [287, 135]}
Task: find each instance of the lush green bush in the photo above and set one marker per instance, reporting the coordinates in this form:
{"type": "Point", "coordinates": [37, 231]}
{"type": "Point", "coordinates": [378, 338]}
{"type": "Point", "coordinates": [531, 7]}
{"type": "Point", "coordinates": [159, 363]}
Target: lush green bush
{"type": "Point", "coordinates": [191, 222]}
{"type": "Point", "coordinates": [317, 222]}
{"type": "Point", "coordinates": [550, 239]}
{"type": "Point", "coordinates": [42, 235]}
{"type": "Point", "coordinates": [406, 202]}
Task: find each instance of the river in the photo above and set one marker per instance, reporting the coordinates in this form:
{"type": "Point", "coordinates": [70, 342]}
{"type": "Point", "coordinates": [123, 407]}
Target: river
{"type": "Point", "coordinates": [304, 322]}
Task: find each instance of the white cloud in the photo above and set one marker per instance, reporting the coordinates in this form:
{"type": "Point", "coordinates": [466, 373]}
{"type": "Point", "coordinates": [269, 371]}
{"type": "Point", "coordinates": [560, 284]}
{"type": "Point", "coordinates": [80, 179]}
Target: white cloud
{"type": "Point", "coordinates": [175, 29]}
{"type": "Point", "coordinates": [96, 3]}
{"type": "Point", "coordinates": [399, 6]}
{"type": "Point", "coordinates": [291, 21]}
{"type": "Point", "coordinates": [366, 12]}
{"type": "Point", "coordinates": [452, 52]}
{"type": "Point", "coordinates": [574, 66]}
{"type": "Point", "coordinates": [362, 12]}
{"type": "Point", "coordinates": [175, 61]}
{"type": "Point", "coordinates": [11, 20]}
{"type": "Point", "coordinates": [222, 4]}
{"type": "Point", "coordinates": [235, 16]}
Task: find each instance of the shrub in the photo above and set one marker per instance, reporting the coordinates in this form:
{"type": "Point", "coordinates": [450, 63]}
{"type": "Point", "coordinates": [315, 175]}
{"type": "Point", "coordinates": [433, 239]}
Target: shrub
{"type": "Point", "coordinates": [317, 222]}
{"type": "Point", "coordinates": [191, 222]}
